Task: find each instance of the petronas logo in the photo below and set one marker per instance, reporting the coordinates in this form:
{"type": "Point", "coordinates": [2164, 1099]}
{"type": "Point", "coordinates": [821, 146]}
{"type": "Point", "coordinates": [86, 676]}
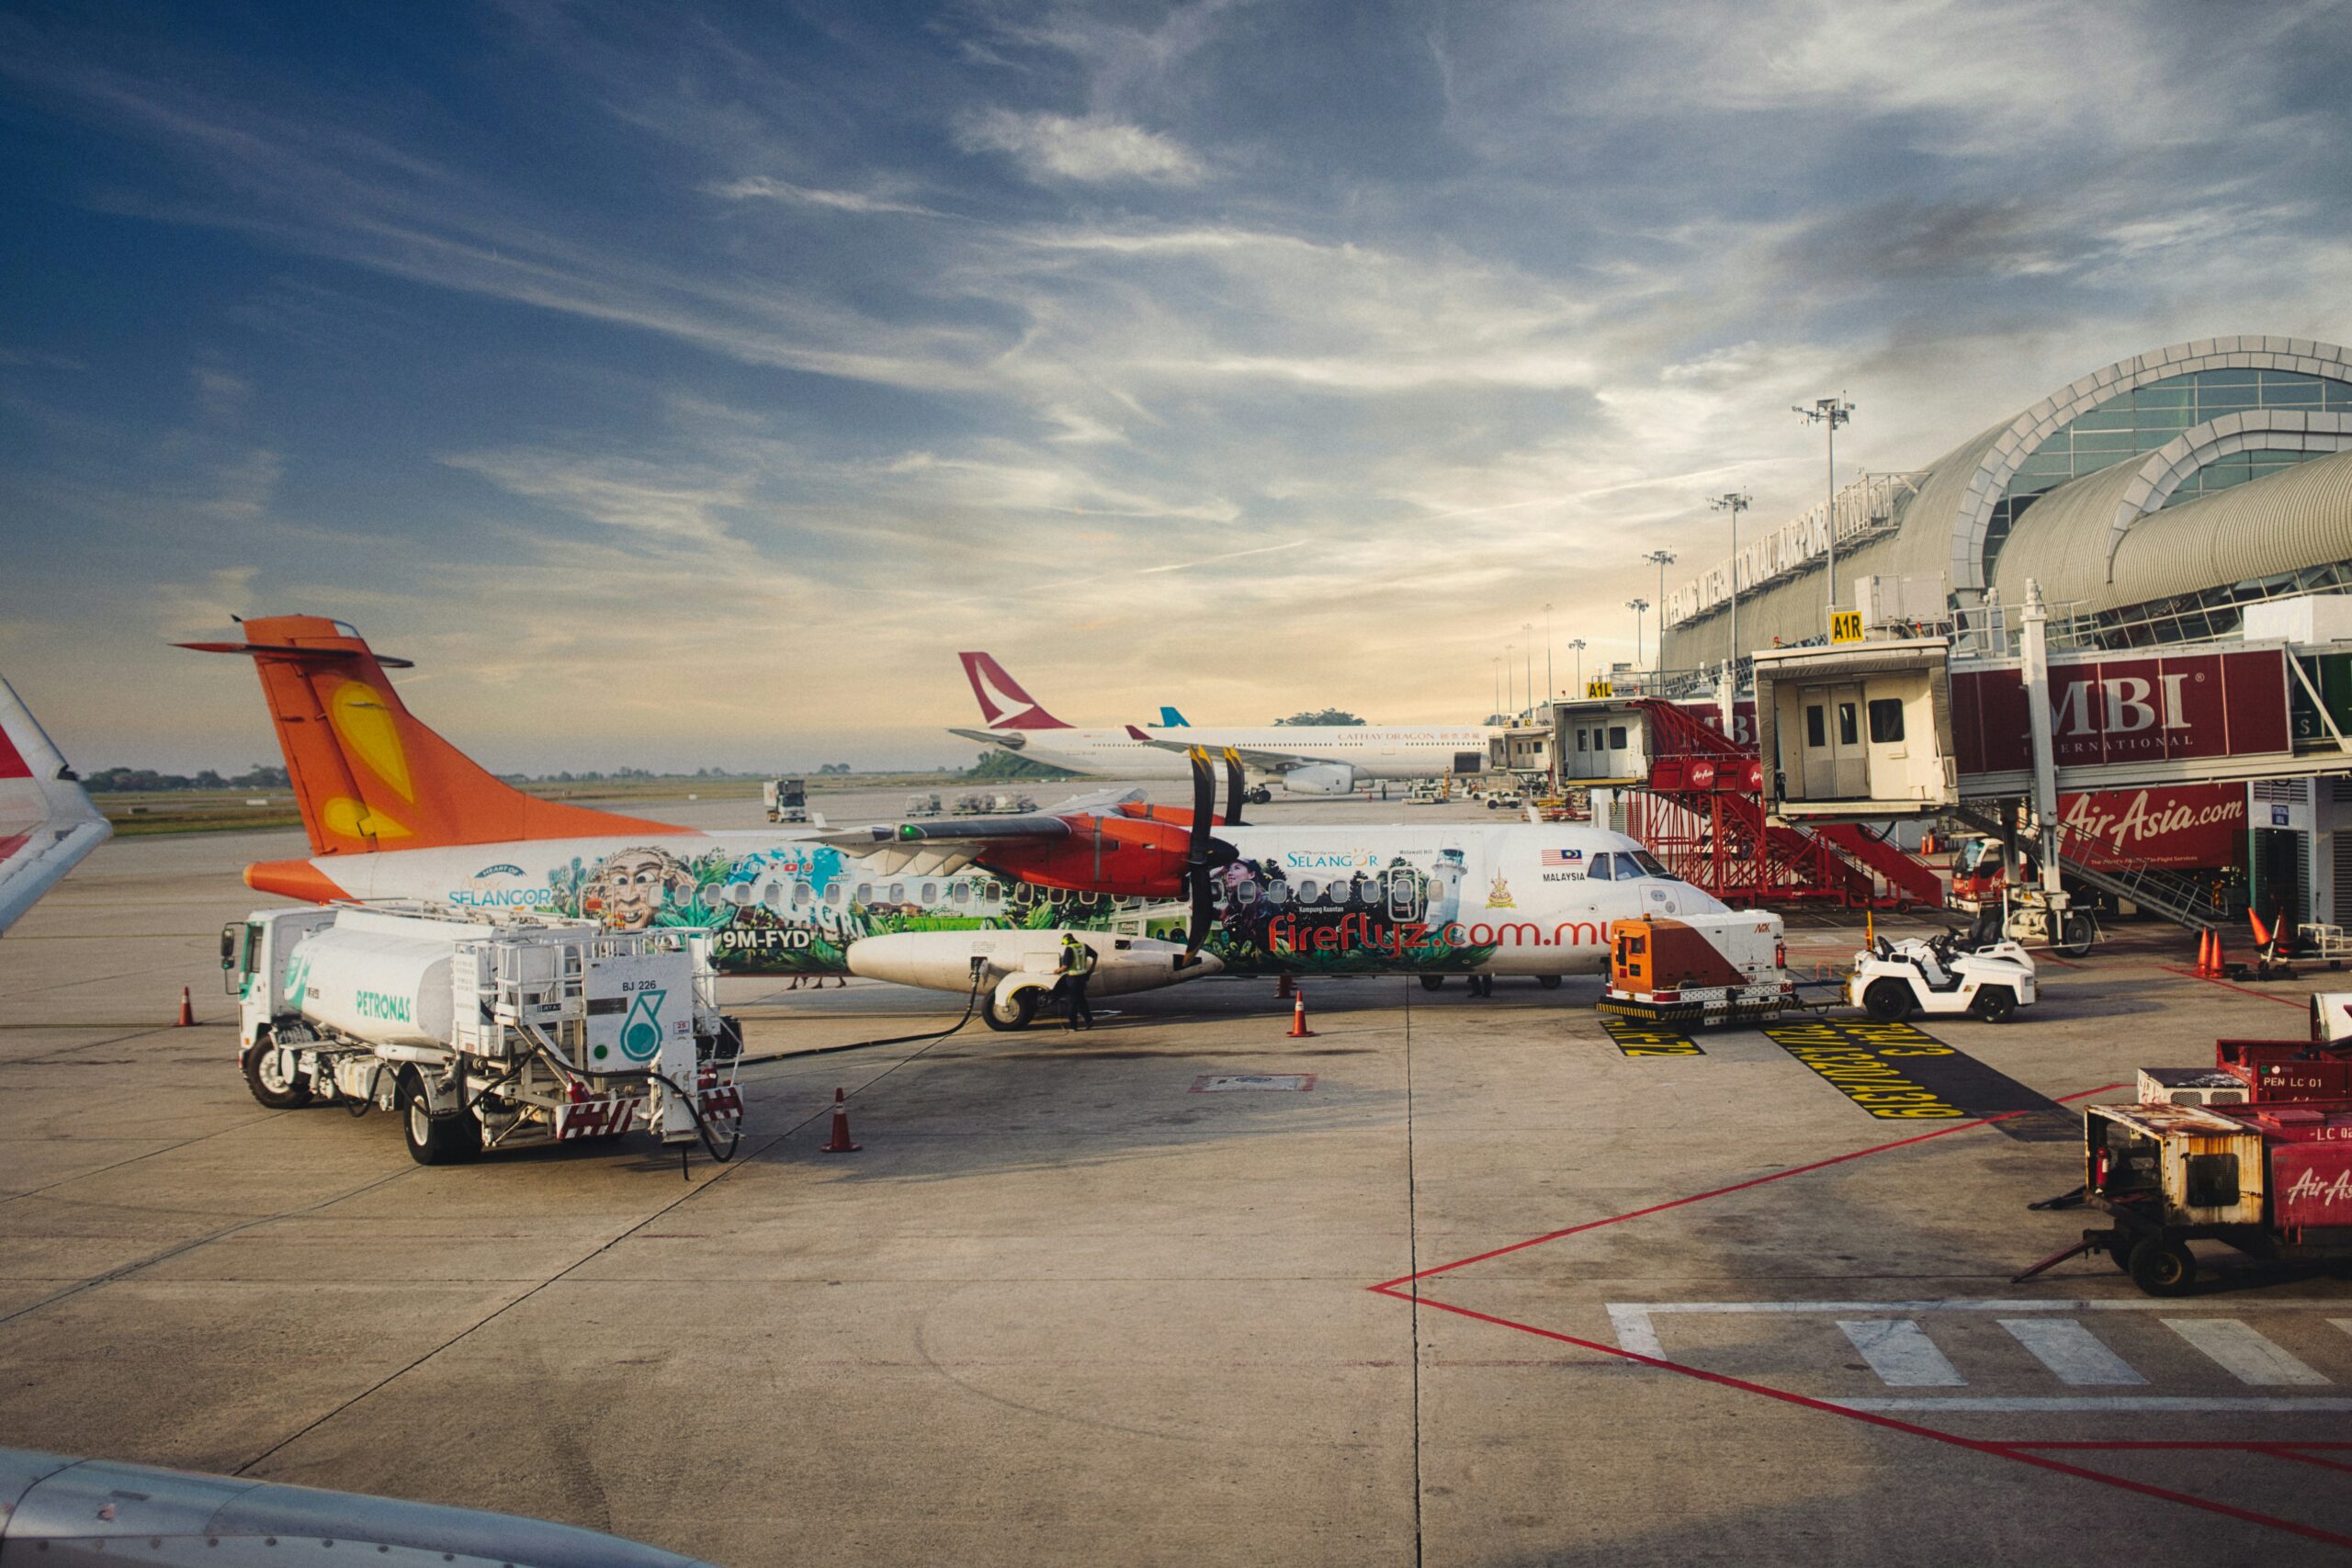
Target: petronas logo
{"type": "Point", "coordinates": [641, 1029]}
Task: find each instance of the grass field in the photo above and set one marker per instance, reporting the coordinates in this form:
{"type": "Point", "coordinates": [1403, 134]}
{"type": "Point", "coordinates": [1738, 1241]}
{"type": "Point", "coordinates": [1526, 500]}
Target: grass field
{"type": "Point", "coordinates": [142, 813]}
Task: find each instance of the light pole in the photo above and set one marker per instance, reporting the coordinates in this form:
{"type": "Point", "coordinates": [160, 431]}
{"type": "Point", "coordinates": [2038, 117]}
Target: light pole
{"type": "Point", "coordinates": [1498, 688]}
{"type": "Point", "coordinates": [1662, 559]}
{"type": "Point", "coordinates": [1637, 607]}
{"type": "Point", "coordinates": [1578, 643]}
{"type": "Point", "coordinates": [1528, 631]}
{"type": "Point", "coordinates": [1733, 502]}
{"type": "Point", "coordinates": [1832, 413]}
{"type": "Point", "coordinates": [1551, 689]}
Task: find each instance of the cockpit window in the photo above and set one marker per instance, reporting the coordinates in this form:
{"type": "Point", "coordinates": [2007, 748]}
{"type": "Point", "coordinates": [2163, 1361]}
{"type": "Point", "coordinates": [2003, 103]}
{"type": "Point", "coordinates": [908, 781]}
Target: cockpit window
{"type": "Point", "coordinates": [1648, 863]}
{"type": "Point", "coordinates": [1598, 869]}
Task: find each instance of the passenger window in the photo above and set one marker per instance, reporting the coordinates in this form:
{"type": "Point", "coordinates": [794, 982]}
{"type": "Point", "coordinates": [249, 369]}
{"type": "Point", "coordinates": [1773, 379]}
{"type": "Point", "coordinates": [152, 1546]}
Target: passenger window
{"type": "Point", "coordinates": [961, 893]}
{"type": "Point", "coordinates": [802, 893]}
{"type": "Point", "coordinates": [992, 893]}
{"type": "Point", "coordinates": [1307, 889]}
{"type": "Point", "coordinates": [772, 895]}
{"type": "Point", "coordinates": [1848, 725]}
{"type": "Point", "coordinates": [833, 894]}
{"type": "Point", "coordinates": [1886, 720]}
{"type": "Point", "coordinates": [1817, 729]}
{"type": "Point", "coordinates": [931, 893]}
{"type": "Point", "coordinates": [866, 893]}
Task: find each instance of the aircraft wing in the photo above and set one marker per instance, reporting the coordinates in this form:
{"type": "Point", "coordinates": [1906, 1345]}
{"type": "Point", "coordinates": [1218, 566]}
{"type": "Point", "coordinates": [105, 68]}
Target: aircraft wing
{"type": "Point", "coordinates": [46, 824]}
{"type": "Point", "coordinates": [1257, 756]}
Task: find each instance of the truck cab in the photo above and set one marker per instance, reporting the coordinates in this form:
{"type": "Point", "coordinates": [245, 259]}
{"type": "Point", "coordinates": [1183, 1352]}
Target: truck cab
{"type": "Point", "coordinates": [786, 799]}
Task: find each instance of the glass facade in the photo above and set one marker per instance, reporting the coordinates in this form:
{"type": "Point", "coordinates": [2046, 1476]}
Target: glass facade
{"type": "Point", "coordinates": [2214, 613]}
{"type": "Point", "coordinates": [2133, 424]}
{"type": "Point", "coordinates": [2236, 469]}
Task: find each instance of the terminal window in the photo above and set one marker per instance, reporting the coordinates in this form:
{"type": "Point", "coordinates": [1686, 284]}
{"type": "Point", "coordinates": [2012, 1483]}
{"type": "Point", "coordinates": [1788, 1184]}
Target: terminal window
{"type": "Point", "coordinates": [1616, 738]}
{"type": "Point", "coordinates": [1886, 720]}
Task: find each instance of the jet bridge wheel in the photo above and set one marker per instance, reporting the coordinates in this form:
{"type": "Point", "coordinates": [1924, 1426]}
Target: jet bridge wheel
{"type": "Point", "coordinates": [435, 1140]}
{"type": "Point", "coordinates": [1021, 1007]}
{"type": "Point", "coordinates": [278, 1091]}
{"type": "Point", "coordinates": [1888, 1000]}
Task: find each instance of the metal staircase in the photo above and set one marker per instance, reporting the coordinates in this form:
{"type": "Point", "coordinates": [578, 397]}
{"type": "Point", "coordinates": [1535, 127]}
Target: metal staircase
{"type": "Point", "coordinates": [2184, 900]}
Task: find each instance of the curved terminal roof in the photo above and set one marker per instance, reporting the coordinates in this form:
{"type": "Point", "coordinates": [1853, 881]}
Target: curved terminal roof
{"type": "Point", "coordinates": [2146, 428]}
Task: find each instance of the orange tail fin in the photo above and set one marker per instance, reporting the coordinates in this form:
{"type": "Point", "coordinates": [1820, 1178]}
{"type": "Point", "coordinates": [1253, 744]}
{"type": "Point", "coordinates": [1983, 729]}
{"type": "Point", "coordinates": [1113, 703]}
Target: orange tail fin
{"type": "Point", "coordinates": [367, 773]}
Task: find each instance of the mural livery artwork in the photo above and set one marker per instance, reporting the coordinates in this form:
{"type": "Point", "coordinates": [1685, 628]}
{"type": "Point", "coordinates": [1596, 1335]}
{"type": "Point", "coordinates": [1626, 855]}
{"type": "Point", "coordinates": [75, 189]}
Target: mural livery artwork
{"type": "Point", "coordinates": [795, 909]}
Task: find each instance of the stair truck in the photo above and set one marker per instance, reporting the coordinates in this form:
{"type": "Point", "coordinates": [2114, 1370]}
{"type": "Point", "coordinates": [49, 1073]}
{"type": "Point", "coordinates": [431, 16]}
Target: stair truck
{"type": "Point", "coordinates": [484, 1033]}
{"type": "Point", "coordinates": [2254, 1152]}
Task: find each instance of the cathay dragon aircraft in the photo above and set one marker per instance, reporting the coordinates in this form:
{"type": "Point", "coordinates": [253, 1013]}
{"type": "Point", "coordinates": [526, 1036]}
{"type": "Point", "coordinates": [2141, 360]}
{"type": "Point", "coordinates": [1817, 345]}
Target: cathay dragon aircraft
{"type": "Point", "coordinates": [46, 824]}
{"type": "Point", "coordinates": [1322, 759]}
{"type": "Point", "coordinates": [1162, 894]}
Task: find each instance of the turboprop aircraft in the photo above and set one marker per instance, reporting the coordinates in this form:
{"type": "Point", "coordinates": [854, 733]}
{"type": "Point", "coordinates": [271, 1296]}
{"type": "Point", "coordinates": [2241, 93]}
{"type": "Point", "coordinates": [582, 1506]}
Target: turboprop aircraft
{"type": "Point", "coordinates": [1162, 894]}
{"type": "Point", "coordinates": [47, 823]}
{"type": "Point", "coordinates": [1323, 759]}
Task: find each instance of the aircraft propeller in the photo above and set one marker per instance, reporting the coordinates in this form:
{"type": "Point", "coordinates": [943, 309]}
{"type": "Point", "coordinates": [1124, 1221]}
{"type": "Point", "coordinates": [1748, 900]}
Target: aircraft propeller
{"type": "Point", "coordinates": [1203, 852]}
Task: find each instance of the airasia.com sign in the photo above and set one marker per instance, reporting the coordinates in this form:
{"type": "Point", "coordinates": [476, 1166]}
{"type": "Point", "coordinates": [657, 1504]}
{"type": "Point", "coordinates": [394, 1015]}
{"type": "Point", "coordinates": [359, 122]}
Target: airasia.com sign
{"type": "Point", "coordinates": [2183, 825]}
{"type": "Point", "coordinates": [2132, 709]}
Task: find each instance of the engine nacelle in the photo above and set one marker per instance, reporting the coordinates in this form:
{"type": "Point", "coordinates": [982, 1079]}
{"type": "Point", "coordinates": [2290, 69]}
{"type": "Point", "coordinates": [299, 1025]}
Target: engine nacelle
{"type": "Point", "coordinates": [1320, 778]}
{"type": "Point", "coordinates": [1010, 961]}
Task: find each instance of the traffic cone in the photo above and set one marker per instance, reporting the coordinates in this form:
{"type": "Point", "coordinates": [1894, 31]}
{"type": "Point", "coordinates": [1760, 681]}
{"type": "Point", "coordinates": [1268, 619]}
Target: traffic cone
{"type": "Point", "coordinates": [1298, 1030]}
{"type": "Point", "coordinates": [841, 1144]}
{"type": "Point", "coordinates": [2261, 932]}
{"type": "Point", "coordinates": [2205, 954]}
{"type": "Point", "coordinates": [2220, 964]}
{"type": "Point", "coordinates": [187, 1010]}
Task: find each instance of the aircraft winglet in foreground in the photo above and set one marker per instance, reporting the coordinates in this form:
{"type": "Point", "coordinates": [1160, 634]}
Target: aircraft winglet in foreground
{"type": "Point", "coordinates": [47, 823]}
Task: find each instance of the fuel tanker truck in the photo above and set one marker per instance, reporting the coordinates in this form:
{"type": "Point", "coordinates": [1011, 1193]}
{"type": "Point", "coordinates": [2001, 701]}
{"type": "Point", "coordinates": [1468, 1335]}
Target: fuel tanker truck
{"type": "Point", "coordinates": [484, 1033]}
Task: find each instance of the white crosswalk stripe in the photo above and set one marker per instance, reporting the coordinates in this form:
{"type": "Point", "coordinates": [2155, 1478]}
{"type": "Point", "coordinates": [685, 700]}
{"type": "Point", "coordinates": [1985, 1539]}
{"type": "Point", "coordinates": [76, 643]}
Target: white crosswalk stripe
{"type": "Point", "coordinates": [2245, 1352]}
{"type": "Point", "coordinates": [1900, 1353]}
{"type": "Point", "coordinates": [2072, 1351]}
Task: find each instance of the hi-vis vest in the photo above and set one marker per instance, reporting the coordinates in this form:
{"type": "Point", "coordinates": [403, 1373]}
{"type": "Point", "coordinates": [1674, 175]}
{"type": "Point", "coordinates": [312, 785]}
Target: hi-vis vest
{"type": "Point", "coordinates": [1077, 958]}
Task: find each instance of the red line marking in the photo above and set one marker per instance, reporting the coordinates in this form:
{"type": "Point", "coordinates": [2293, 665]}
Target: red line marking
{"type": "Point", "coordinates": [2231, 985]}
{"type": "Point", "coordinates": [2241, 1445]}
{"type": "Point", "coordinates": [2278, 1452]}
{"type": "Point", "coordinates": [1720, 1192]}
{"type": "Point", "coordinates": [2018, 1452]}
{"type": "Point", "coordinates": [1973, 1445]}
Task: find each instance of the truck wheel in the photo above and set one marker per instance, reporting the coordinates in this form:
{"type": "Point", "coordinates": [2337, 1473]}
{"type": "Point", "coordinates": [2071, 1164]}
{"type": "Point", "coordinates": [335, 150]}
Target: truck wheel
{"type": "Point", "coordinates": [435, 1140]}
{"type": "Point", "coordinates": [2161, 1266]}
{"type": "Point", "coordinates": [1432, 982]}
{"type": "Point", "coordinates": [2076, 935]}
{"type": "Point", "coordinates": [1889, 1001]}
{"type": "Point", "coordinates": [1019, 1008]}
{"type": "Point", "coordinates": [1997, 1004]}
{"type": "Point", "coordinates": [1549, 982]}
{"type": "Point", "coordinates": [275, 1089]}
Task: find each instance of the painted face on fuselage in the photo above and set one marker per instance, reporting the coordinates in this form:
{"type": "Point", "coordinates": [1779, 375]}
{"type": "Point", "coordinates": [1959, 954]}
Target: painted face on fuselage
{"type": "Point", "coordinates": [631, 885]}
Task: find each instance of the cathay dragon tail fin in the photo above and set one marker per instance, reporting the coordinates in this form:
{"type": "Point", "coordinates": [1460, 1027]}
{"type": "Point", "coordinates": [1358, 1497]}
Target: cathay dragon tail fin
{"type": "Point", "coordinates": [367, 773]}
{"type": "Point", "coordinates": [1004, 704]}
{"type": "Point", "coordinates": [46, 824]}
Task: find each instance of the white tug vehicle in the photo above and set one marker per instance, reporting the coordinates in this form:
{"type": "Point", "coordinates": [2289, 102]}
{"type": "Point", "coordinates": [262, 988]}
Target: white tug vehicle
{"type": "Point", "coordinates": [488, 1032]}
{"type": "Point", "coordinates": [1937, 976]}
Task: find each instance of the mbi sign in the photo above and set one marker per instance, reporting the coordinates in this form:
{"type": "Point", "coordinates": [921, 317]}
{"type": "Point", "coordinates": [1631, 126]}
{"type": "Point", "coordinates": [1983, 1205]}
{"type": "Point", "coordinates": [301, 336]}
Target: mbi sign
{"type": "Point", "coordinates": [2130, 709]}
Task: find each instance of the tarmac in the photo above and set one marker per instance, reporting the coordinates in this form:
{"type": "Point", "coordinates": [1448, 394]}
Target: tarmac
{"type": "Point", "coordinates": [1453, 1281]}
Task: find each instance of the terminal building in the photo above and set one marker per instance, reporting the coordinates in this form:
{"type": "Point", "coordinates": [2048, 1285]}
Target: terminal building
{"type": "Point", "coordinates": [2152, 501]}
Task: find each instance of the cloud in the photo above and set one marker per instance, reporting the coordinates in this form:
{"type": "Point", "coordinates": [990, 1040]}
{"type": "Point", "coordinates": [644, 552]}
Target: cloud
{"type": "Point", "coordinates": [761, 187]}
{"type": "Point", "coordinates": [1092, 150]}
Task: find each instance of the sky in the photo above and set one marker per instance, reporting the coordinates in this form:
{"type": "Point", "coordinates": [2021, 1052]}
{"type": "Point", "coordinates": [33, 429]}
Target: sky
{"type": "Point", "coordinates": [684, 386]}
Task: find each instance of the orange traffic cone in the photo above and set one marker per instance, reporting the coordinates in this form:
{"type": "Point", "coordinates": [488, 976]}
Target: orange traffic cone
{"type": "Point", "coordinates": [841, 1144]}
{"type": "Point", "coordinates": [2261, 932]}
{"type": "Point", "coordinates": [2220, 964]}
{"type": "Point", "coordinates": [2205, 954]}
{"type": "Point", "coordinates": [1298, 1030]}
{"type": "Point", "coordinates": [187, 1010]}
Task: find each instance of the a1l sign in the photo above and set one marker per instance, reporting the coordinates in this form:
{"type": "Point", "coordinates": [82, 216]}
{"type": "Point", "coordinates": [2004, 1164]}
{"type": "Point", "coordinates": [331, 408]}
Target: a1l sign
{"type": "Point", "coordinates": [1845, 625]}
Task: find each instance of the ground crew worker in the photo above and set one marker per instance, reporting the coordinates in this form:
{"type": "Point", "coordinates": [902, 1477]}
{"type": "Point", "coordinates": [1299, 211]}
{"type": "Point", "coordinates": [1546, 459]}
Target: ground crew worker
{"type": "Point", "coordinates": [1076, 970]}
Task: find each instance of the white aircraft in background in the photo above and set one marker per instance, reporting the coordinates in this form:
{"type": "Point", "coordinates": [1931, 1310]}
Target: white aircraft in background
{"type": "Point", "coordinates": [46, 824]}
{"type": "Point", "coordinates": [1324, 758]}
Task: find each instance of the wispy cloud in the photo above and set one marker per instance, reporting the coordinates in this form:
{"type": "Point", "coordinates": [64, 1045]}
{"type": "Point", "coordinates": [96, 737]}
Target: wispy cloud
{"type": "Point", "coordinates": [1092, 150]}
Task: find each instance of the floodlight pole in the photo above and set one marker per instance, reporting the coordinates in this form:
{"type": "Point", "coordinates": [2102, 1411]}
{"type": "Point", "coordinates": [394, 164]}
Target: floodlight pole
{"type": "Point", "coordinates": [1637, 607]}
{"type": "Point", "coordinates": [1578, 643]}
{"type": "Point", "coordinates": [1663, 558]}
{"type": "Point", "coordinates": [1528, 631]}
{"type": "Point", "coordinates": [1551, 688]}
{"type": "Point", "coordinates": [1733, 502]}
{"type": "Point", "coordinates": [1832, 413]}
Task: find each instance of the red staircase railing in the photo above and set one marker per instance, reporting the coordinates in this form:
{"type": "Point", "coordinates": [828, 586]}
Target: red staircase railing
{"type": "Point", "coordinates": [1702, 813]}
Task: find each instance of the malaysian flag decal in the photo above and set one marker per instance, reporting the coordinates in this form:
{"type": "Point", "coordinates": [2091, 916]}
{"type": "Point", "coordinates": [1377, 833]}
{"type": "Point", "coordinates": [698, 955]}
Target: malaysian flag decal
{"type": "Point", "coordinates": [1573, 859]}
